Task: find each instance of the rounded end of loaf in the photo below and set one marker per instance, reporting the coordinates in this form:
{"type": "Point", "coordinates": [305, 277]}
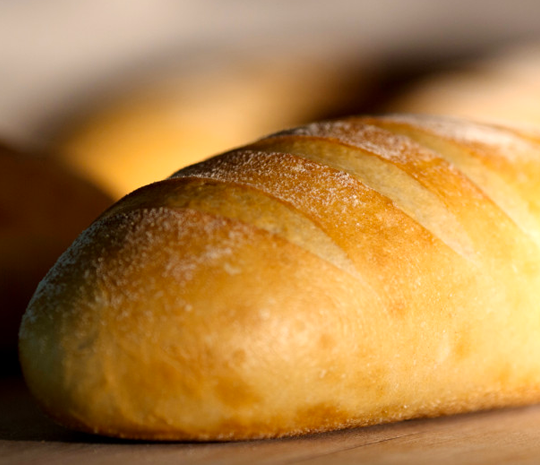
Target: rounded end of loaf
{"type": "Point", "coordinates": [342, 274]}
{"type": "Point", "coordinates": [126, 337]}
{"type": "Point", "coordinates": [43, 207]}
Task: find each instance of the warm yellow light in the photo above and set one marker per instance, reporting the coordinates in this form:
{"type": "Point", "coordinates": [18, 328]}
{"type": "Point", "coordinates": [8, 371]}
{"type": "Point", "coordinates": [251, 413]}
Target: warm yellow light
{"type": "Point", "coordinates": [147, 133]}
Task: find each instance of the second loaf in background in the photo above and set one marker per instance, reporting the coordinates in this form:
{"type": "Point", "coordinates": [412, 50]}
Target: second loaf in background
{"type": "Point", "coordinates": [341, 274]}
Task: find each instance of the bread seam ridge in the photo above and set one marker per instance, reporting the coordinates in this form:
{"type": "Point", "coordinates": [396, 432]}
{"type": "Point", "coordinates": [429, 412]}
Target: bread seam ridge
{"type": "Point", "coordinates": [460, 243]}
{"type": "Point", "coordinates": [348, 268]}
{"type": "Point", "coordinates": [177, 189]}
{"type": "Point", "coordinates": [218, 168]}
{"type": "Point", "coordinates": [527, 223]}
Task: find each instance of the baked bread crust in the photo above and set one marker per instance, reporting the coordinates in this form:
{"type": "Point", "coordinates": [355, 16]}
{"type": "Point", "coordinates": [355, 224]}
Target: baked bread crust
{"type": "Point", "coordinates": [342, 274]}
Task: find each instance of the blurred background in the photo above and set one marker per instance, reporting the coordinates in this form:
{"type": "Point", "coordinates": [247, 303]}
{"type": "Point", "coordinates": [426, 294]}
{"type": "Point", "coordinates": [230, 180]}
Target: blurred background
{"type": "Point", "coordinates": [100, 97]}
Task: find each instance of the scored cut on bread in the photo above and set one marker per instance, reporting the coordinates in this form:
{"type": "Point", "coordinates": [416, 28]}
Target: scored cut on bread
{"type": "Point", "coordinates": [345, 273]}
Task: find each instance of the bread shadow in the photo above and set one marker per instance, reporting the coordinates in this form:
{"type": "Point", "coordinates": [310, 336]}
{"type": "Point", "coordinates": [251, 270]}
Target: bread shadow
{"type": "Point", "coordinates": [22, 420]}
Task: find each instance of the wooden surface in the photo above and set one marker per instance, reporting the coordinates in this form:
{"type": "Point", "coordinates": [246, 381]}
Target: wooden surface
{"type": "Point", "coordinates": [499, 437]}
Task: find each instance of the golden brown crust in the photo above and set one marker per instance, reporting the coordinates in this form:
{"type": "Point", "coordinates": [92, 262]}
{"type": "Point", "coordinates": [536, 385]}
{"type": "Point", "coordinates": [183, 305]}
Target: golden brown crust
{"type": "Point", "coordinates": [379, 282]}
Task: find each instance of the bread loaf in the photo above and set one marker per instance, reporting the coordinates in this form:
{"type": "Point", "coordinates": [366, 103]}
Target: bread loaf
{"type": "Point", "coordinates": [342, 274]}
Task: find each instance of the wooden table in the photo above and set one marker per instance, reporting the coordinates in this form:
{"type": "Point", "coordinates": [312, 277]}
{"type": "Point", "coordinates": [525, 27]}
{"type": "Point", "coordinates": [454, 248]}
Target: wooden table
{"type": "Point", "coordinates": [499, 437]}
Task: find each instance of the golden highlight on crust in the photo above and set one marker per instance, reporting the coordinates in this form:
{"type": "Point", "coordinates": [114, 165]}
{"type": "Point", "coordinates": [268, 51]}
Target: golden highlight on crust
{"type": "Point", "coordinates": [346, 273]}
